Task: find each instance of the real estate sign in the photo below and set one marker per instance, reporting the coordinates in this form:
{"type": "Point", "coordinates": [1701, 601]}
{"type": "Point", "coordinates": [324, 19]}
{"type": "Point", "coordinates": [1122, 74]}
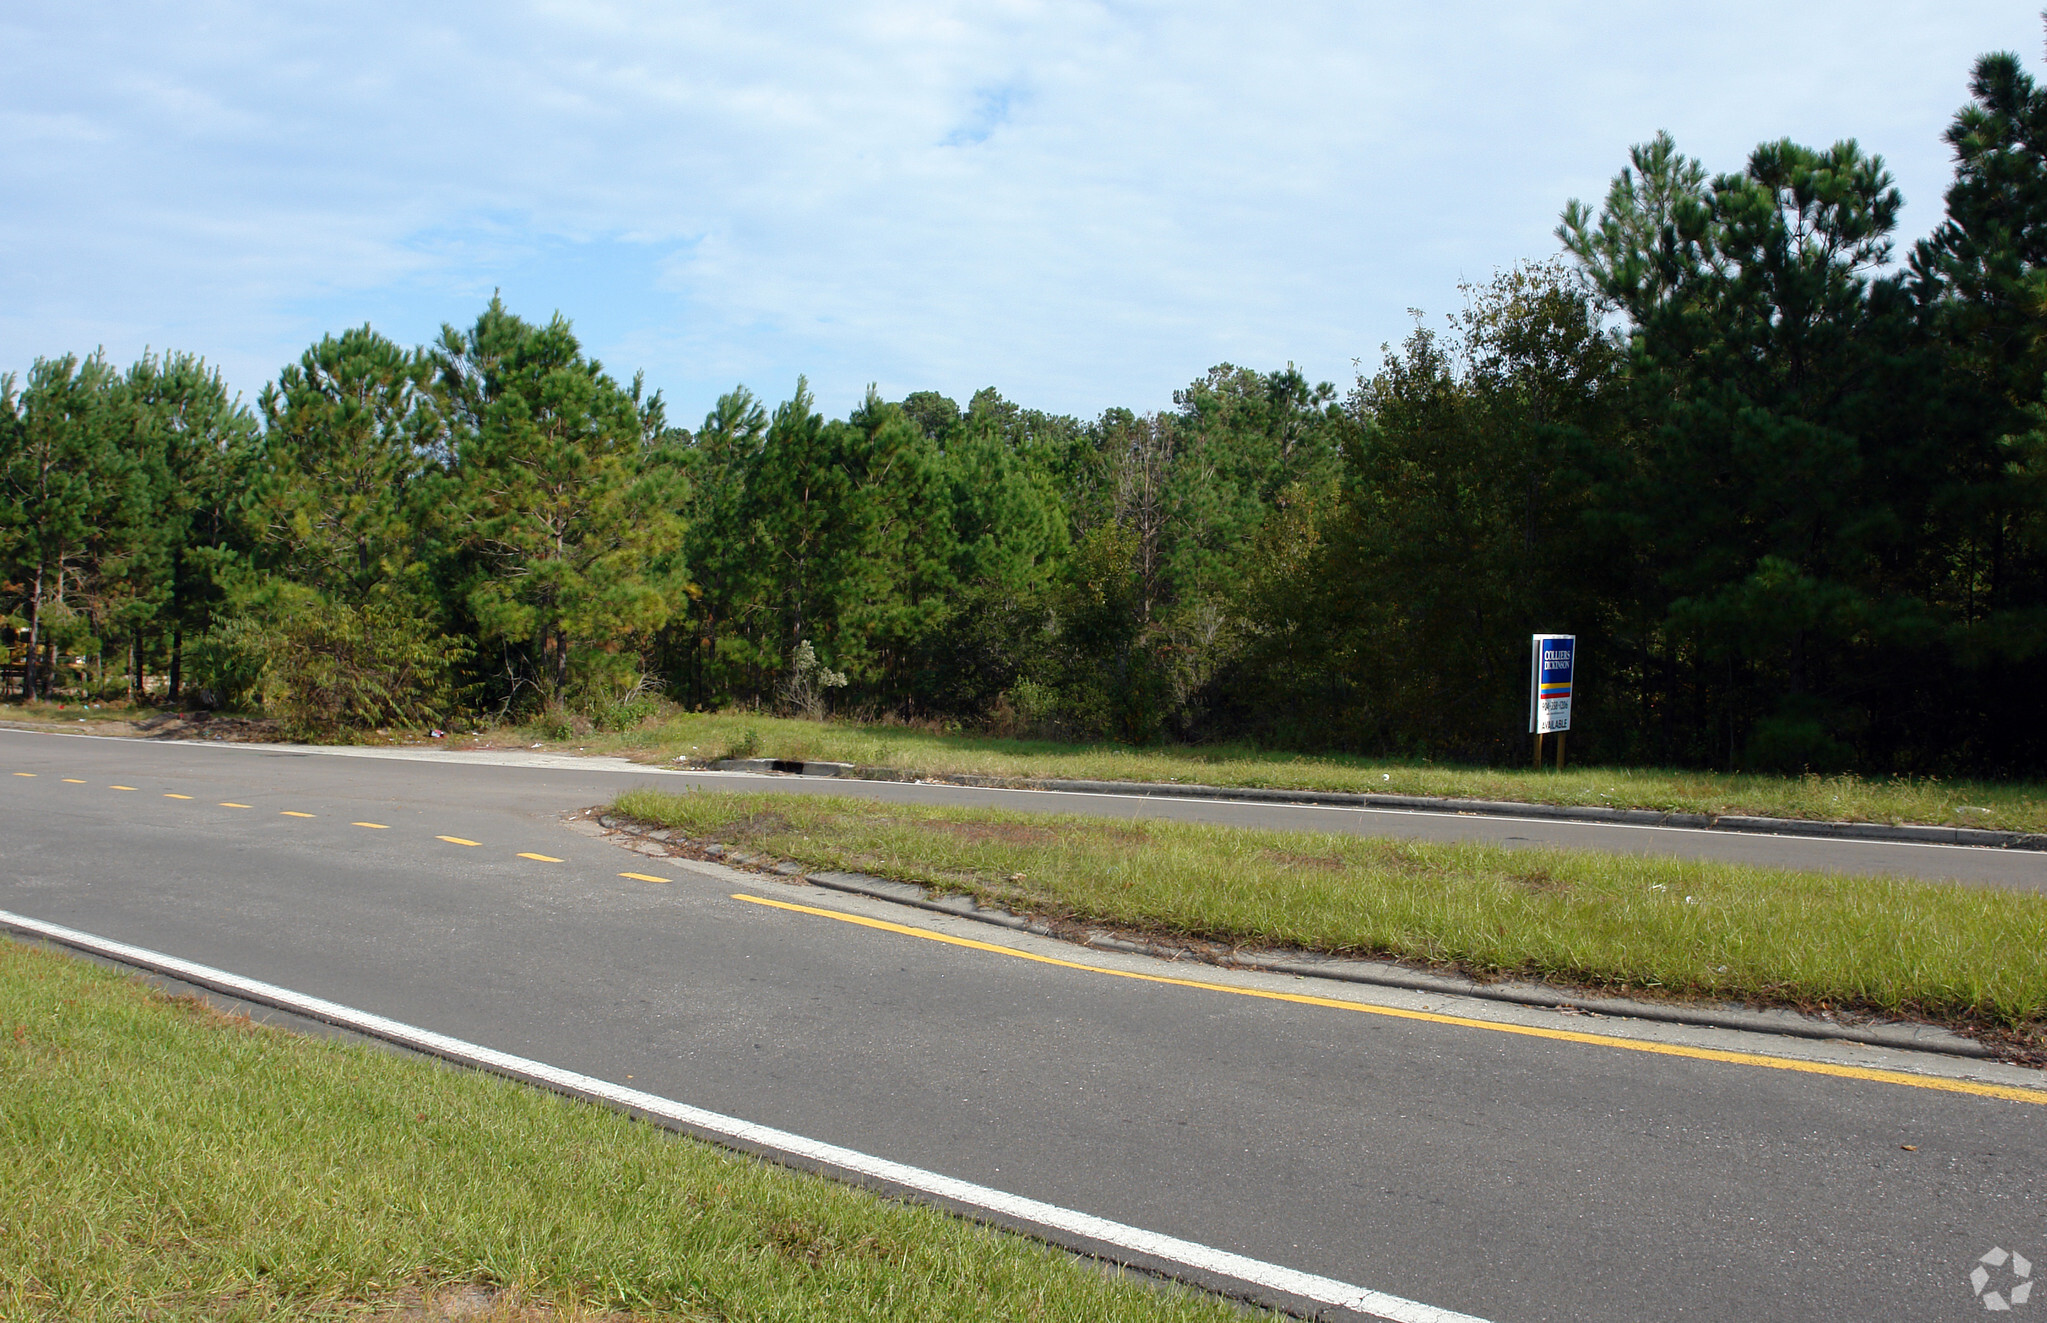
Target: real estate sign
{"type": "Point", "coordinates": [1549, 684]}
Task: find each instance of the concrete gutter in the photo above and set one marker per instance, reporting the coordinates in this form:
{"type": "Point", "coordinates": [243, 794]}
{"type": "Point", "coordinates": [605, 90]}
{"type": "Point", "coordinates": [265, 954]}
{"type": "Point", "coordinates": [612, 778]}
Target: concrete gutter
{"type": "Point", "coordinates": [1902, 1035]}
{"type": "Point", "coordinates": [1865, 831]}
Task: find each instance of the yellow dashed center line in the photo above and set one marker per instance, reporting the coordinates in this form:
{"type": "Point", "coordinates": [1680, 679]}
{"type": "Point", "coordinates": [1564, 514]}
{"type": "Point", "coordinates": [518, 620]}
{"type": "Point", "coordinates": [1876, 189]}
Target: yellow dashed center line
{"type": "Point", "coordinates": [643, 877]}
{"type": "Point", "coordinates": [120, 787]}
{"type": "Point", "coordinates": [378, 826]}
{"type": "Point", "coordinates": [231, 804]}
{"type": "Point", "coordinates": [2005, 1092]}
{"type": "Point", "coordinates": [543, 858]}
{"type": "Point", "coordinates": [24, 773]}
{"type": "Point", "coordinates": [168, 795]}
{"type": "Point", "coordinates": [73, 781]}
{"type": "Point", "coordinates": [288, 813]}
{"type": "Point", "coordinates": [456, 840]}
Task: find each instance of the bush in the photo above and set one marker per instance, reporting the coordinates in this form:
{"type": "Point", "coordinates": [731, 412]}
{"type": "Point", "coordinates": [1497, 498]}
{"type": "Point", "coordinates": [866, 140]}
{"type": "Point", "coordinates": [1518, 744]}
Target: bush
{"type": "Point", "coordinates": [808, 681]}
{"type": "Point", "coordinates": [227, 665]}
{"type": "Point", "coordinates": [558, 725]}
{"type": "Point", "coordinates": [626, 714]}
{"type": "Point", "coordinates": [335, 668]}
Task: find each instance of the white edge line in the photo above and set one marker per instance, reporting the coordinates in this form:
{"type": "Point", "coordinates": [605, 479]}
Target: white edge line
{"type": "Point", "coordinates": [1015, 1208]}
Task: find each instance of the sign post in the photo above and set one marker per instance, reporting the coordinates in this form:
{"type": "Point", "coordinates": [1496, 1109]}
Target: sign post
{"type": "Point", "coordinates": [1551, 663]}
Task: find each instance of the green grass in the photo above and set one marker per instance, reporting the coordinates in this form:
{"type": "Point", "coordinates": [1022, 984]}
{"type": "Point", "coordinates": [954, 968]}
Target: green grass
{"type": "Point", "coordinates": [72, 710]}
{"type": "Point", "coordinates": [937, 751]}
{"type": "Point", "coordinates": [160, 1161]}
{"type": "Point", "coordinates": [2013, 806]}
{"type": "Point", "coordinates": [1948, 953]}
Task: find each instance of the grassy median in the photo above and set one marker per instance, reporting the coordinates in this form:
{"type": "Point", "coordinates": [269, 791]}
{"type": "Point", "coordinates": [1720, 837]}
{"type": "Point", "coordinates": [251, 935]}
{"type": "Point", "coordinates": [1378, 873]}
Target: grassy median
{"type": "Point", "coordinates": [1952, 954]}
{"type": "Point", "coordinates": [702, 737]}
{"type": "Point", "coordinates": [160, 1161]}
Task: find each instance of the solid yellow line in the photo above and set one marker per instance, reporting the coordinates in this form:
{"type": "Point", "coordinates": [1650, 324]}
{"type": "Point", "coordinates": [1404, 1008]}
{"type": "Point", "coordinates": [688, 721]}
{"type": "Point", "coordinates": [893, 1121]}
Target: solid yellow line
{"type": "Point", "coordinates": [379, 826]}
{"type": "Point", "coordinates": [287, 813]}
{"type": "Point", "coordinates": [171, 796]}
{"type": "Point", "coordinates": [226, 804]}
{"type": "Point", "coordinates": [120, 787]}
{"type": "Point", "coordinates": [543, 858]}
{"type": "Point", "coordinates": [456, 840]}
{"type": "Point", "coordinates": [643, 877]}
{"type": "Point", "coordinates": [2006, 1092]}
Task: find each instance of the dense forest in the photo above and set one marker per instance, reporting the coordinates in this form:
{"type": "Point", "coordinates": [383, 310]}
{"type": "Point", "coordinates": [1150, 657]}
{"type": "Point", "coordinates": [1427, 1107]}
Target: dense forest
{"type": "Point", "coordinates": [1787, 485]}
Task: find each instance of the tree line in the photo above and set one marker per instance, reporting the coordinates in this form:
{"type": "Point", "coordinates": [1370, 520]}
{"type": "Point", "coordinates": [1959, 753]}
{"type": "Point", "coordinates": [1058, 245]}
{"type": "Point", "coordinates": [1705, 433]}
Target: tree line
{"type": "Point", "coordinates": [1787, 485]}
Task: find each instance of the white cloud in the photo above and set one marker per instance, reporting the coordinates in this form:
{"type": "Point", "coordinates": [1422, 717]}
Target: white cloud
{"type": "Point", "coordinates": [1080, 203]}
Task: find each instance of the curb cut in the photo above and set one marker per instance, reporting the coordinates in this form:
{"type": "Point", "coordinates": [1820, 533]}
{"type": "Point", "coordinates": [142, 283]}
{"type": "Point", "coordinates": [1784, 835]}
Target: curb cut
{"type": "Point", "coordinates": [1866, 831]}
{"type": "Point", "coordinates": [1898, 1035]}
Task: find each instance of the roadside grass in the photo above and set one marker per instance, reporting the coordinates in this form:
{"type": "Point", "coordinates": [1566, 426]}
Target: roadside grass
{"type": "Point", "coordinates": [704, 737]}
{"type": "Point", "coordinates": [2019, 805]}
{"type": "Point", "coordinates": [1968, 957]}
{"type": "Point", "coordinates": [121, 717]}
{"type": "Point", "coordinates": [72, 710]}
{"type": "Point", "coordinates": [161, 1161]}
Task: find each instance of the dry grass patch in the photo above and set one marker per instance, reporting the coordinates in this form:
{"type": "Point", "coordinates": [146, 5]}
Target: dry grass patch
{"type": "Point", "coordinates": [1006, 833]}
{"type": "Point", "coordinates": [1295, 859]}
{"type": "Point", "coordinates": [1538, 879]}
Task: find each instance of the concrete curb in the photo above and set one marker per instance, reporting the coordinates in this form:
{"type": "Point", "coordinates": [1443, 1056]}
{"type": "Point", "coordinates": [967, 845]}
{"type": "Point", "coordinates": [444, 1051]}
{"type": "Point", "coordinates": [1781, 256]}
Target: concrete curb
{"type": "Point", "coordinates": [1899, 1035]}
{"type": "Point", "coordinates": [1423, 803]}
{"type": "Point", "coordinates": [1864, 831]}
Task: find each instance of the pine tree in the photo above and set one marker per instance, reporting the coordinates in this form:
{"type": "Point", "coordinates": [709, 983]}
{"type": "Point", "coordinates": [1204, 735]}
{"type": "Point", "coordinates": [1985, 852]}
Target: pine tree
{"type": "Point", "coordinates": [66, 484]}
{"type": "Point", "coordinates": [567, 499]}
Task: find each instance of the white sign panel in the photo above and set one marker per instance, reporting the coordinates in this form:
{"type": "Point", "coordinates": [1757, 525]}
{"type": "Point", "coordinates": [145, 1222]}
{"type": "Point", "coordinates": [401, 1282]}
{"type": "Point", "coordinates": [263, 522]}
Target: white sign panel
{"type": "Point", "coordinates": [1549, 682]}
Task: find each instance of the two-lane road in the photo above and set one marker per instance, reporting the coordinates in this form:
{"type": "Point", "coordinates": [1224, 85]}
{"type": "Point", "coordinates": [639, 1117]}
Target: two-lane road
{"type": "Point", "coordinates": [1512, 1177]}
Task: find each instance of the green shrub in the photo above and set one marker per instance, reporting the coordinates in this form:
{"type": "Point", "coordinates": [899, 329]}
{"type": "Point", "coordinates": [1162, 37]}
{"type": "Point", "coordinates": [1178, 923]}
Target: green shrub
{"type": "Point", "coordinates": [624, 713]}
{"type": "Point", "coordinates": [334, 668]}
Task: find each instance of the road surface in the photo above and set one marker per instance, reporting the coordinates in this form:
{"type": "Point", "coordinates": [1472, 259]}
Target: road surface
{"type": "Point", "coordinates": [1511, 1177]}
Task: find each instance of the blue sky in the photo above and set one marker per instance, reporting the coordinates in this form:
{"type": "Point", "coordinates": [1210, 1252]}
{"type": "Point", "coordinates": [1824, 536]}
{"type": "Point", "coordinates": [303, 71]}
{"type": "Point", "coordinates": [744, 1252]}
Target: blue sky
{"type": "Point", "coordinates": [1080, 204]}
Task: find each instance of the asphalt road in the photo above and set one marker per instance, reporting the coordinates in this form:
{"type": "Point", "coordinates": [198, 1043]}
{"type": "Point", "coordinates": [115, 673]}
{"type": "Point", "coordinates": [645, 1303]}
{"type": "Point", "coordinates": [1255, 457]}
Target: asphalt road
{"type": "Point", "coordinates": [2024, 870]}
{"type": "Point", "coordinates": [1509, 1177]}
